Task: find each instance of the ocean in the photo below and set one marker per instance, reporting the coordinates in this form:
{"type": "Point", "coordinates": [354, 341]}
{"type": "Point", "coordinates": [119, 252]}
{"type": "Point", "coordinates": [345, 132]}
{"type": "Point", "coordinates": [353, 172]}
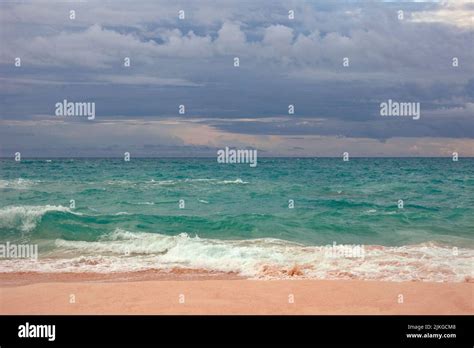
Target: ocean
{"type": "Point", "coordinates": [394, 219]}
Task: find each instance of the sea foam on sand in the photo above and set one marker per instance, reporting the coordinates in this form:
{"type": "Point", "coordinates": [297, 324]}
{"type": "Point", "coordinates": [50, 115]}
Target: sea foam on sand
{"type": "Point", "coordinates": [125, 251]}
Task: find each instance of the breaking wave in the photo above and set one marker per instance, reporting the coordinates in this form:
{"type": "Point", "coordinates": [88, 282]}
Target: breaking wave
{"type": "Point", "coordinates": [125, 251]}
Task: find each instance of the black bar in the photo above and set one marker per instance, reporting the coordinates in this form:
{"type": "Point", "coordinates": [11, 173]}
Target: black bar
{"type": "Point", "coordinates": [224, 330]}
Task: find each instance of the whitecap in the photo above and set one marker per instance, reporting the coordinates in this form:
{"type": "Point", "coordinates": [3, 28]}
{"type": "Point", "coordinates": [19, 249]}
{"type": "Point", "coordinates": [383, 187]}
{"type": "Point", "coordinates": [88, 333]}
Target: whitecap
{"type": "Point", "coordinates": [25, 218]}
{"type": "Point", "coordinates": [264, 258]}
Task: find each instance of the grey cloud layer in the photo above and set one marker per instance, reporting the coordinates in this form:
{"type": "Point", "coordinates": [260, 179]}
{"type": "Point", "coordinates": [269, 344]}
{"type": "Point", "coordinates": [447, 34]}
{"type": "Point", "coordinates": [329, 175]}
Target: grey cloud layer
{"type": "Point", "coordinates": [282, 62]}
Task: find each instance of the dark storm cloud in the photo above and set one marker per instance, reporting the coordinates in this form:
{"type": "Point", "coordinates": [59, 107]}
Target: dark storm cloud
{"type": "Point", "coordinates": [380, 129]}
{"type": "Point", "coordinates": [282, 62]}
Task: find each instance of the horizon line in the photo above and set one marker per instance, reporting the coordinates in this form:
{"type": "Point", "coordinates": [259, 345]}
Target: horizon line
{"type": "Point", "coordinates": [213, 157]}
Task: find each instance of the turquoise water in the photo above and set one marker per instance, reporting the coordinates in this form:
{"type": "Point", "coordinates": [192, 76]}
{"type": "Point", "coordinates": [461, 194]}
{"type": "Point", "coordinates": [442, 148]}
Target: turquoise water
{"type": "Point", "coordinates": [130, 211]}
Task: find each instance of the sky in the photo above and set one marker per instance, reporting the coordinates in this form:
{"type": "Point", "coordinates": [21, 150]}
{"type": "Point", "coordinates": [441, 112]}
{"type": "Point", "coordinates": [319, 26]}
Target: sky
{"type": "Point", "coordinates": [399, 51]}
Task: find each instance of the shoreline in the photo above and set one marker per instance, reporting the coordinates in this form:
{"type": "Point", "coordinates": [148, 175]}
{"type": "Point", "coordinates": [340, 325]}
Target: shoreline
{"type": "Point", "coordinates": [14, 279]}
{"type": "Point", "coordinates": [208, 294]}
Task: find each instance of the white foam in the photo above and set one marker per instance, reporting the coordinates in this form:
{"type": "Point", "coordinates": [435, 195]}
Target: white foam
{"type": "Point", "coordinates": [153, 182]}
{"type": "Point", "coordinates": [199, 180]}
{"type": "Point", "coordinates": [126, 251]}
{"type": "Point", "coordinates": [120, 182]}
{"type": "Point", "coordinates": [25, 218]}
{"type": "Point", "coordinates": [18, 184]}
{"type": "Point", "coordinates": [162, 182]}
{"type": "Point", "coordinates": [236, 181]}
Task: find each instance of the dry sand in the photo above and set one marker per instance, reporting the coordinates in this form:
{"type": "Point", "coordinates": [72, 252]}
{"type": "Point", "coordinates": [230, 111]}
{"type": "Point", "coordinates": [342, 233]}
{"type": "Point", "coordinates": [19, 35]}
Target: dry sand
{"type": "Point", "coordinates": [143, 294]}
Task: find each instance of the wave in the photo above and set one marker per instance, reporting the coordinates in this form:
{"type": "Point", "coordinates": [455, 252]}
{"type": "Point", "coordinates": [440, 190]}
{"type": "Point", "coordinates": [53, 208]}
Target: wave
{"type": "Point", "coordinates": [94, 222]}
{"type": "Point", "coordinates": [217, 181]}
{"type": "Point", "coordinates": [236, 181]}
{"type": "Point", "coordinates": [18, 184]}
{"type": "Point", "coordinates": [153, 182]}
{"type": "Point", "coordinates": [162, 182]}
{"type": "Point", "coordinates": [267, 258]}
{"type": "Point", "coordinates": [26, 218]}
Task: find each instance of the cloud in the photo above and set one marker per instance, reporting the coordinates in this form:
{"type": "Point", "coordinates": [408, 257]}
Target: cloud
{"type": "Point", "coordinates": [452, 12]}
{"type": "Point", "coordinates": [95, 47]}
{"type": "Point", "coordinates": [181, 138]}
{"type": "Point", "coordinates": [230, 39]}
{"type": "Point", "coordinates": [190, 62]}
{"type": "Point", "coordinates": [374, 40]}
{"type": "Point", "coordinates": [145, 80]}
